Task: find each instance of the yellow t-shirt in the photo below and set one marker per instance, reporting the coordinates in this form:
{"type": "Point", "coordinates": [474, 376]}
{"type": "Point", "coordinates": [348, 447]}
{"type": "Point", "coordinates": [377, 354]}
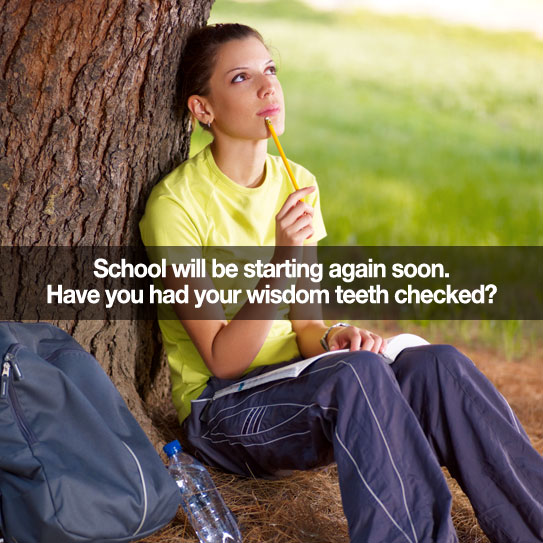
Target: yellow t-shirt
{"type": "Point", "coordinates": [198, 205]}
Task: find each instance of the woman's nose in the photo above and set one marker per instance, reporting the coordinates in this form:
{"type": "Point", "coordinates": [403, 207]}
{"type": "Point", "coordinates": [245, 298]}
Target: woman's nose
{"type": "Point", "coordinates": [266, 88]}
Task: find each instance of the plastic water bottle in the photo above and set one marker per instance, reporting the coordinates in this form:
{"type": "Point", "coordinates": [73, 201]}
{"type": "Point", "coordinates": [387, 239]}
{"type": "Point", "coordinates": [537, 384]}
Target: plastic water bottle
{"type": "Point", "coordinates": [212, 521]}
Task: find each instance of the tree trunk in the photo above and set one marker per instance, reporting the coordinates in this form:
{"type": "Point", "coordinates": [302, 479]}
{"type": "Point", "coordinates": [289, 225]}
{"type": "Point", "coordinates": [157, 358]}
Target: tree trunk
{"type": "Point", "coordinates": [88, 124]}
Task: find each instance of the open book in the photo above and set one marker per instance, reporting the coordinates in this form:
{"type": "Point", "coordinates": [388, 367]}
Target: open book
{"type": "Point", "coordinates": [395, 345]}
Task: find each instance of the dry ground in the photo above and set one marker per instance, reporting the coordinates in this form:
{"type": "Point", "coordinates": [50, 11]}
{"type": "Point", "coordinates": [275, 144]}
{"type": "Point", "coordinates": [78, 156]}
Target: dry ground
{"type": "Point", "coordinates": [306, 507]}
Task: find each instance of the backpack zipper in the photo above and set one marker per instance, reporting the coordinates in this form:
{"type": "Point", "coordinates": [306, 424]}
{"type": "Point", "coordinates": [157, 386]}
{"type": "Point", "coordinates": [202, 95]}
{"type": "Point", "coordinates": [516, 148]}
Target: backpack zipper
{"type": "Point", "coordinates": [6, 372]}
{"type": "Point", "coordinates": [10, 362]}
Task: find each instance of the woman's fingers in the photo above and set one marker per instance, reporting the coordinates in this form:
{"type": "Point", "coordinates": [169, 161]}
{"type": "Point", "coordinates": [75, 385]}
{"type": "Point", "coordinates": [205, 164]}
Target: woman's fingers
{"type": "Point", "coordinates": [368, 341]}
{"type": "Point", "coordinates": [300, 209]}
{"type": "Point", "coordinates": [293, 199]}
{"type": "Point", "coordinates": [295, 233]}
{"type": "Point", "coordinates": [377, 342]}
{"type": "Point", "coordinates": [297, 218]}
{"type": "Point", "coordinates": [356, 339]}
{"type": "Point", "coordinates": [294, 222]}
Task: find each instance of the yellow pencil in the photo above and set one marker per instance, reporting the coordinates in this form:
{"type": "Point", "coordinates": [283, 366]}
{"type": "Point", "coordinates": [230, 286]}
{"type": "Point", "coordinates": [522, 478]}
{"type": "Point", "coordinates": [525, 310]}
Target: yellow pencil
{"type": "Point", "coordinates": [281, 152]}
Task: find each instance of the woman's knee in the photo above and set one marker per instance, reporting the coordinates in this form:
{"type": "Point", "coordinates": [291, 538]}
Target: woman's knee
{"type": "Point", "coordinates": [428, 361]}
{"type": "Point", "coordinates": [445, 352]}
{"type": "Point", "coordinates": [451, 358]}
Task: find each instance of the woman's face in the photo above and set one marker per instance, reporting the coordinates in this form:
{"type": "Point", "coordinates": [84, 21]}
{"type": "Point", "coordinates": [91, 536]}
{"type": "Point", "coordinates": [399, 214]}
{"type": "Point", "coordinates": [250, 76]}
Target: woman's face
{"type": "Point", "coordinates": [244, 89]}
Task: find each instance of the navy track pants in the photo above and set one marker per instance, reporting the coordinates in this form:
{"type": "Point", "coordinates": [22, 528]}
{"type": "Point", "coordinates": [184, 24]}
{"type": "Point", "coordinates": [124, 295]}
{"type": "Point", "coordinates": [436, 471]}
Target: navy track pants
{"type": "Point", "coordinates": [388, 428]}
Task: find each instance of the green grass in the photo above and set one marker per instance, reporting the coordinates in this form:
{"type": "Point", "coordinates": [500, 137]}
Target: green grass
{"type": "Point", "coordinates": [512, 340]}
{"type": "Point", "coordinates": [419, 133]}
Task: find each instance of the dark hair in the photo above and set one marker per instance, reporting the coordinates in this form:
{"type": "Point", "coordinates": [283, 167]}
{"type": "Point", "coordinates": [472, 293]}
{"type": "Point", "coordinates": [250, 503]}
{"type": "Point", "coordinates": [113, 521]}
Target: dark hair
{"type": "Point", "coordinates": [198, 58]}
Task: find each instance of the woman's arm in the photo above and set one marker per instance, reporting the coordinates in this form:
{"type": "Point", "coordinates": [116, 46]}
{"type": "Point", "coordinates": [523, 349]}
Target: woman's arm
{"type": "Point", "coordinates": [309, 334]}
{"type": "Point", "coordinates": [228, 348]}
{"type": "Point", "coordinates": [310, 331]}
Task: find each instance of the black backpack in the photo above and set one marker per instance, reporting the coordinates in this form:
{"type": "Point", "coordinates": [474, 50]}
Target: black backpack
{"type": "Point", "coordinates": [75, 466]}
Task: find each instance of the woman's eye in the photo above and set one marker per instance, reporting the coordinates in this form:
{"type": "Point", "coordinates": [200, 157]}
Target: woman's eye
{"type": "Point", "coordinates": [239, 78]}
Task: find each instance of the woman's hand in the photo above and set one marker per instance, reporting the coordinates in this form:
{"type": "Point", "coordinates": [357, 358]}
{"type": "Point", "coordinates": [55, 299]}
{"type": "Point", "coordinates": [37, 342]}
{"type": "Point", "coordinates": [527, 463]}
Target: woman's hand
{"type": "Point", "coordinates": [294, 222]}
{"type": "Point", "coordinates": [355, 339]}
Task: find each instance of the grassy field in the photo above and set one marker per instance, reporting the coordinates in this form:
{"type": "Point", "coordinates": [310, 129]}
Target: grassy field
{"type": "Point", "coordinates": [419, 133]}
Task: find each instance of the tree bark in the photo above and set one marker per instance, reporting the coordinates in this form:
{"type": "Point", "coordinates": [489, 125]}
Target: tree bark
{"type": "Point", "coordinates": [88, 124]}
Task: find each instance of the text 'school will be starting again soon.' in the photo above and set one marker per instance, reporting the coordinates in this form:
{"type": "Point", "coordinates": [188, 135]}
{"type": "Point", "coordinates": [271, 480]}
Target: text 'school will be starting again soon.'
{"type": "Point", "coordinates": [196, 268]}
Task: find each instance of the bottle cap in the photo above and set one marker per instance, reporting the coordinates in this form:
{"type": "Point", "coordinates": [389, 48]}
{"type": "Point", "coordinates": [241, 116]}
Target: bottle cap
{"type": "Point", "coordinates": [172, 448]}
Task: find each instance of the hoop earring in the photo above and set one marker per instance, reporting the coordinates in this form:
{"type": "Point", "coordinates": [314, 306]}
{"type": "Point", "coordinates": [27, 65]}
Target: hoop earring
{"type": "Point", "coordinates": [208, 124]}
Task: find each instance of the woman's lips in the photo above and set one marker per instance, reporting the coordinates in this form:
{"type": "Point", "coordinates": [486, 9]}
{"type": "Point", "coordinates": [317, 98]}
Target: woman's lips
{"type": "Point", "coordinates": [269, 111]}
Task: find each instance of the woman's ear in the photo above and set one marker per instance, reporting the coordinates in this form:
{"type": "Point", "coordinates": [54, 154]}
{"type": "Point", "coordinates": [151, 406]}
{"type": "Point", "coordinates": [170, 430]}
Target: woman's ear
{"type": "Point", "coordinates": [199, 107]}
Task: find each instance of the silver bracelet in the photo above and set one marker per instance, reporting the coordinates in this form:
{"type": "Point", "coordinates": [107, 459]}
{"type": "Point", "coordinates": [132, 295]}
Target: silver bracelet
{"type": "Point", "coordinates": [324, 339]}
